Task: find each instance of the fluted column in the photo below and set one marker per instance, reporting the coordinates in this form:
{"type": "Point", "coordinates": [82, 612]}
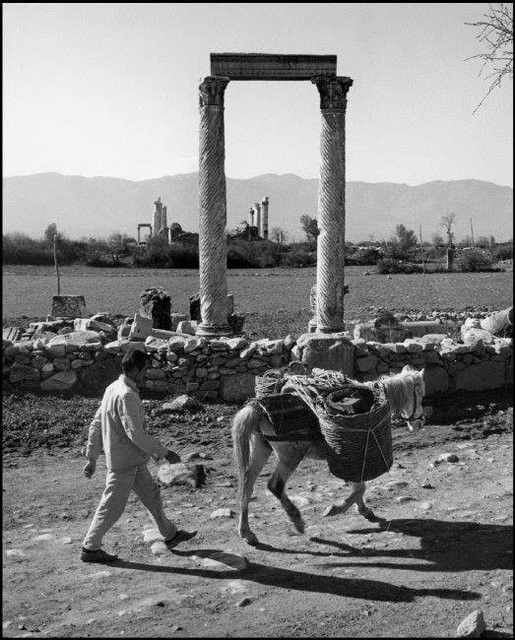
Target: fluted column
{"type": "Point", "coordinates": [257, 217]}
{"type": "Point", "coordinates": [331, 205]}
{"type": "Point", "coordinates": [213, 209]}
{"type": "Point", "coordinates": [264, 217]}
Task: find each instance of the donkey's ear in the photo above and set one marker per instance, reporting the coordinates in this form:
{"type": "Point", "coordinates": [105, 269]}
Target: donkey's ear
{"type": "Point", "coordinates": [408, 368]}
{"type": "Point", "coordinates": [423, 373]}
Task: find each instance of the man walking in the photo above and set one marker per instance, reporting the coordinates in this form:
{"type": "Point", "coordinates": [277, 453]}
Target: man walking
{"type": "Point", "coordinates": [118, 429]}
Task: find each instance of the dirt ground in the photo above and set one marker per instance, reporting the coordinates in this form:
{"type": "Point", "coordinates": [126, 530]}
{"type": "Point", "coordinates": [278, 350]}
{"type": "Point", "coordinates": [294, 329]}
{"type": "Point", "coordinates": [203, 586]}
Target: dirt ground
{"type": "Point", "coordinates": [445, 551]}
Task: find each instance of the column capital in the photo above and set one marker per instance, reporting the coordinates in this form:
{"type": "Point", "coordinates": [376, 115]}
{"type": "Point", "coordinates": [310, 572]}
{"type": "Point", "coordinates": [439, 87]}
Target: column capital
{"type": "Point", "coordinates": [212, 90]}
{"type": "Point", "coordinates": [333, 92]}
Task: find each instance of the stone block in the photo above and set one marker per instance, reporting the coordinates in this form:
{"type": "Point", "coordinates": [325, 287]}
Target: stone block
{"type": "Point", "coordinates": [23, 373]}
{"type": "Point", "coordinates": [472, 336]}
{"type": "Point", "coordinates": [61, 381]}
{"type": "Point", "coordinates": [126, 346]}
{"type": "Point", "coordinates": [69, 307]}
{"type": "Point", "coordinates": [436, 380]}
{"type": "Point", "coordinates": [155, 305]}
{"type": "Point", "coordinates": [75, 341]}
{"type": "Point", "coordinates": [237, 388]}
{"type": "Point", "coordinates": [483, 376]}
{"type": "Point", "coordinates": [267, 66]}
{"type": "Point", "coordinates": [11, 333]}
{"type": "Point", "coordinates": [187, 326]}
{"type": "Point", "coordinates": [95, 378]}
{"type": "Point", "coordinates": [141, 327]}
{"type": "Point", "coordinates": [327, 351]}
{"type": "Point", "coordinates": [432, 339]}
{"type": "Point", "coordinates": [175, 318]}
{"type": "Point", "coordinates": [366, 363]}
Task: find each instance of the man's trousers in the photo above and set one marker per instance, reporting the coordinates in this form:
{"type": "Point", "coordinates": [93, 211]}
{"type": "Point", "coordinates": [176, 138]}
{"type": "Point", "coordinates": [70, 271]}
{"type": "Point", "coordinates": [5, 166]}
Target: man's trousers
{"type": "Point", "coordinates": [112, 504]}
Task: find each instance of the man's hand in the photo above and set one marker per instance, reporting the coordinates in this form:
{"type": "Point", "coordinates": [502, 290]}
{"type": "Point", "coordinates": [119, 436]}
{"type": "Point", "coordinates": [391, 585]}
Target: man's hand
{"type": "Point", "coordinates": [89, 469]}
{"type": "Point", "coordinates": [172, 457]}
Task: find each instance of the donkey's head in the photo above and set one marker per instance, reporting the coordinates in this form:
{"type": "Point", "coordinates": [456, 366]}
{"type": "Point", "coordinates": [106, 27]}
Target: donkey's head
{"type": "Point", "coordinates": [412, 411]}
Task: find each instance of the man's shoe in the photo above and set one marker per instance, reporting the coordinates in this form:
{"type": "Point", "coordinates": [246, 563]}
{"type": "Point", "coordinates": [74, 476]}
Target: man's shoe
{"type": "Point", "coordinates": [180, 536]}
{"type": "Point", "coordinates": [99, 555]}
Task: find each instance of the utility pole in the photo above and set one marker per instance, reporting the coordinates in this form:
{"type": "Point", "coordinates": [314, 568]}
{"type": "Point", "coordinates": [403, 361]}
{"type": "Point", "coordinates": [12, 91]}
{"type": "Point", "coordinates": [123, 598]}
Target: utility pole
{"type": "Point", "coordinates": [421, 248]}
{"type": "Point", "coordinates": [56, 266]}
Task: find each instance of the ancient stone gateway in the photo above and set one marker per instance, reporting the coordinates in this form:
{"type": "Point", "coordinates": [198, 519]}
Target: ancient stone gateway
{"type": "Point", "coordinates": [320, 70]}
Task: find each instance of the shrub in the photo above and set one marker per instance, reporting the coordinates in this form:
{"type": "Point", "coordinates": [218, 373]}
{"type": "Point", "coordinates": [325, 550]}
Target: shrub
{"type": "Point", "coordinates": [363, 257]}
{"type": "Point", "coordinates": [389, 265]}
{"type": "Point", "coordinates": [503, 252]}
{"type": "Point", "coordinates": [474, 260]}
{"type": "Point", "coordinates": [299, 258]}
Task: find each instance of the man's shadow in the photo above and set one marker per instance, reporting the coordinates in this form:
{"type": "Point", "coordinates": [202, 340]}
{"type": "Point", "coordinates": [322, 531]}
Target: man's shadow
{"type": "Point", "coordinates": [444, 545]}
{"type": "Point", "coordinates": [272, 576]}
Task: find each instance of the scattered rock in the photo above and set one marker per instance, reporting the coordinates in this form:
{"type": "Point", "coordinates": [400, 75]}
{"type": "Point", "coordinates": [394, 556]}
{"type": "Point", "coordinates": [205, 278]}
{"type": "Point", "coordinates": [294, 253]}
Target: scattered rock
{"type": "Point", "coordinates": [159, 548]}
{"type": "Point", "coordinates": [473, 626]}
{"type": "Point", "coordinates": [180, 473]}
{"type": "Point", "coordinates": [447, 457]}
{"type": "Point", "coordinates": [401, 499]}
{"type": "Point", "coordinates": [243, 602]}
{"type": "Point", "coordinates": [182, 403]}
{"type": "Point", "coordinates": [224, 512]}
{"type": "Point", "coordinates": [16, 553]}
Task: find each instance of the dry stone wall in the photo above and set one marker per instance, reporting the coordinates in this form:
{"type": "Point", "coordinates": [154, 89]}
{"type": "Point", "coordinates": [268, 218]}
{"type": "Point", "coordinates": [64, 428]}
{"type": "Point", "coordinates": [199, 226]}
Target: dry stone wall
{"type": "Point", "coordinates": [84, 355]}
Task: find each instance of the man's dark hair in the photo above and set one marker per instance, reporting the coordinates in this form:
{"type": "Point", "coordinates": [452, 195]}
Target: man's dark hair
{"type": "Point", "coordinates": [134, 360]}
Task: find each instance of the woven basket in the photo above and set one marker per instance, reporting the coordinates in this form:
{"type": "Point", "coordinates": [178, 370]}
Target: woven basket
{"type": "Point", "coordinates": [359, 446]}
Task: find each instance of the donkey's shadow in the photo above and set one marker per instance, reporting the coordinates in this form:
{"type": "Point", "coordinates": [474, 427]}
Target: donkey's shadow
{"type": "Point", "coordinates": [444, 545]}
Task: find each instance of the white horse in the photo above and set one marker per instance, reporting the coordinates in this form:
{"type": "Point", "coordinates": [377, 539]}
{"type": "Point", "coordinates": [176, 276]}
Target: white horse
{"type": "Point", "coordinates": [404, 392]}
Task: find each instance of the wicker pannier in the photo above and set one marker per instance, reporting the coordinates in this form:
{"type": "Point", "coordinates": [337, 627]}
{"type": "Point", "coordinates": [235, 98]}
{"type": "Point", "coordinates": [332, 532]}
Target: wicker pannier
{"type": "Point", "coordinates": [359, 446]}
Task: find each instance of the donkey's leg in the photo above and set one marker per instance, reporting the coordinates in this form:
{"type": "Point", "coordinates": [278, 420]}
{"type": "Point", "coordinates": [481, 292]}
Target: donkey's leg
{"type": "Point", "coordinates": [356, 495]}
{"type": "Point", "coordinates": [289, 459]}
{"type": "Point", "coordinates": [365, 510]}
{"type": "Point", "coordinates": [260, 451]}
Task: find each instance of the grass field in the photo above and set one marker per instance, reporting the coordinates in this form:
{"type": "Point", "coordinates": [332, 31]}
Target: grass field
{"type": "Point", "coordinates": [276, 301]}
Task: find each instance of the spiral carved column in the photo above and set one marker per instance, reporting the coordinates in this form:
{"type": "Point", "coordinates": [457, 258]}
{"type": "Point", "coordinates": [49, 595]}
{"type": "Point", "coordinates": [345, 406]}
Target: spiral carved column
{"type": "Point", "coordinates": [330, 286]}
{"type": "Point", "coordinates": [213, 210]}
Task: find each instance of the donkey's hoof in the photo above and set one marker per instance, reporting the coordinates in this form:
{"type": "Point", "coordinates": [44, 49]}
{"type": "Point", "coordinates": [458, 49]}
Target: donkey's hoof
{"type": "Point", "coordinates": [298, 523]}
{"type": "Point", "coordinates": [330, 511]}
{"type": "Point", "coordinates": [251, 539]}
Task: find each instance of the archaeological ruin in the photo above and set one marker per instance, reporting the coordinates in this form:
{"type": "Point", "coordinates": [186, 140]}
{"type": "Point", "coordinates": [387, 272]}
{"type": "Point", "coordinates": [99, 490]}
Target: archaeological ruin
{"type": "Point", "coordinates": [321, 71]}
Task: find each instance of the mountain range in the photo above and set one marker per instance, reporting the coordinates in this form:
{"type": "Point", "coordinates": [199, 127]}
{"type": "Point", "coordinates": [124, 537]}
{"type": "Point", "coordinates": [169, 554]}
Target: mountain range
{"type": "Point", "coordinates": [98, 206]}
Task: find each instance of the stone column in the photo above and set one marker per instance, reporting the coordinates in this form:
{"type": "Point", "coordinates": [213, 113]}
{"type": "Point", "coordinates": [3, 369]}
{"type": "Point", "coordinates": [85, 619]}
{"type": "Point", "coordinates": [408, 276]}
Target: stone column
{"type": "Point", "coordinates": [157, 217]}
{"type": "Point", "coordinates": [213, 209]}
{"type": "Point", "coordinates": [331, 205]}
{"type": "Point", "coordinates": [252, 224]}
{"type": "Point", "coordinates": [264, 217]}
{"type": "Point", "coordinates": [257, 217]}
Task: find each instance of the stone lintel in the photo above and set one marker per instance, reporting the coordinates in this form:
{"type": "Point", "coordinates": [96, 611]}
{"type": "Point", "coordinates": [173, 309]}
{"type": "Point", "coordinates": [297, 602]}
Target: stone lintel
{"type": "Point", "coordinates": [268, 66]}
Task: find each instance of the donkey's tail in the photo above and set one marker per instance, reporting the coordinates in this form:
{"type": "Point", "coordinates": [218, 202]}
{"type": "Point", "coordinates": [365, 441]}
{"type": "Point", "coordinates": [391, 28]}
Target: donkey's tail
{"type": "Point", "coordinates": [245, 424]}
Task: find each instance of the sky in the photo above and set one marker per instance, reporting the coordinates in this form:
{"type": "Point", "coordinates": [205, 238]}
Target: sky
{"type": "Point", "coordinates": [111, 89]}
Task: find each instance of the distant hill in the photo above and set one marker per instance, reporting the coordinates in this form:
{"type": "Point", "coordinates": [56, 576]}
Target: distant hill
{"type": "Point", "coordinates": [99, 206]}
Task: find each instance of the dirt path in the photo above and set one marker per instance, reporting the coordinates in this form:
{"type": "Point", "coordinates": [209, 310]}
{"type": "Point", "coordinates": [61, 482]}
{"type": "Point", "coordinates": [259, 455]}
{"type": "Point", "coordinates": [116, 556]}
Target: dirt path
{"type": "Point", "coordinates": [446, 551]}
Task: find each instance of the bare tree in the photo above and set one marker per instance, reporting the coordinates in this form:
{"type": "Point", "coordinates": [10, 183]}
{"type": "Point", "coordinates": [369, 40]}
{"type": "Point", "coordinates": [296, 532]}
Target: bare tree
{"type": "Point", "coordinates": [495, 33]}
{"type": "Point", "coordinates": [447, 223]}
{"type": "Point", "coordinates": [278, 235]}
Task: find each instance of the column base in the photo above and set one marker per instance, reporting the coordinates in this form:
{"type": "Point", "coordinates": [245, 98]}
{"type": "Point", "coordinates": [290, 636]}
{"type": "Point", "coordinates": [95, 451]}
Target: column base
{"type": "Point", "coordinates": [213, 331]}
{"type": "Point", "coordinates": [312, 326]}
{"type": "Point", "coordinates": [339, 329]}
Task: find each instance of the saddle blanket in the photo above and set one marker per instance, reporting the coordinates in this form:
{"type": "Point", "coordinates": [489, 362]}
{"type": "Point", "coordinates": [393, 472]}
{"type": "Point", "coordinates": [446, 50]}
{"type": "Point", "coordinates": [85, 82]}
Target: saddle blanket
{"type": "Point", "coordinates": [290, 416]}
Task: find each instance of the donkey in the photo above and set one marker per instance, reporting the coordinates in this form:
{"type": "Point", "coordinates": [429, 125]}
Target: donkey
{"type": "Point", "coordinates": [404, 392]}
